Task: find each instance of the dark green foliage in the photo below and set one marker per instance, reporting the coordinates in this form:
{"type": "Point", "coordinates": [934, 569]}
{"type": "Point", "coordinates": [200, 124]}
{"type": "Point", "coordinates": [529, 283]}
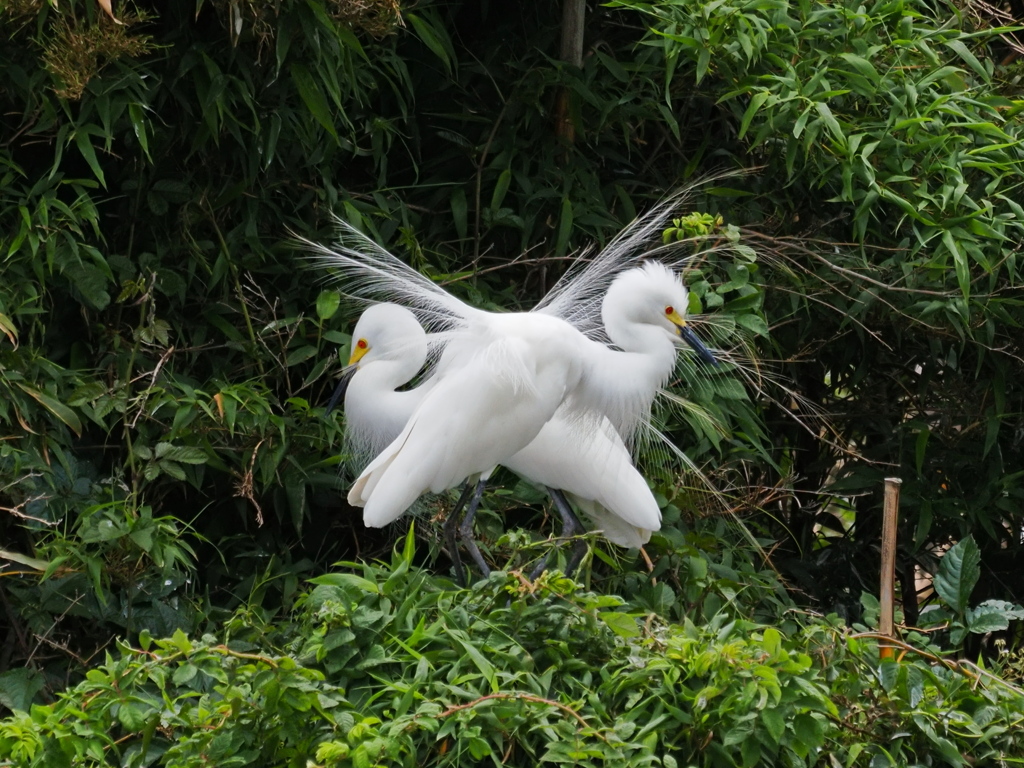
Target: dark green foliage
{"type": "Point", "coordinates": [889, 124]}
{"type": "Point", "coordinates": [165, 463]}
{"type": "Point", "coordinates": [165, 353]}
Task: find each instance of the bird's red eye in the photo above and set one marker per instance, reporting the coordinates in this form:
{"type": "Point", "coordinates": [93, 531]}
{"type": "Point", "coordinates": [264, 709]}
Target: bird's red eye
{"type": "Point", "coordinates": [669, 310]}
{"type": "Point", "coordinates": [361, 343]}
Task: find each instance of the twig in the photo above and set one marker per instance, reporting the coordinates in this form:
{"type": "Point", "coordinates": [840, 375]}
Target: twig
{"type": "Point", "coordinates": [152, 382]}
{"type": "Point", "coordinates": [524, 697]}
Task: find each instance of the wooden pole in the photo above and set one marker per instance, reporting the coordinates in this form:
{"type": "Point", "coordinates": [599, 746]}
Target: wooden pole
{"type": "Point", "coordinates": [573, 16]}
{"type": "Point", "coordinates": [887, 592]}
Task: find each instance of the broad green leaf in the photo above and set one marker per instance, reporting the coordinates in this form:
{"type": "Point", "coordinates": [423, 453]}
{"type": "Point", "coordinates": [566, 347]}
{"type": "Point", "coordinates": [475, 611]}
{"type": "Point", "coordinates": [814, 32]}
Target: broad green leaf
{"type": "Point", "coordinates": [19, 686]}
{"type": "Point", "coordinates": [622, 624]}
{"type": "Point", "coordinates": [186, 454]}
{"type": "Point", "coordinates": [774, 723]}
{"type": "Point", "coordinates": [327, 304]}
{"type": "Point", "coordinates": [132, 716]}
{"type": "Point", "coordinates": [958, 572]}
{"type": "Point", "coordinates": [809, 730]}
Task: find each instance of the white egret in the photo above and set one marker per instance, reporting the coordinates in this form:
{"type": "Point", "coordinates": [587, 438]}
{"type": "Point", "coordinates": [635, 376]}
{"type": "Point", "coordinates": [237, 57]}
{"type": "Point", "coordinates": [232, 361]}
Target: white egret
{"type": "Point", "coordinates": [591, 466]}
{"type": "Point", "coordinates": [502, 376]}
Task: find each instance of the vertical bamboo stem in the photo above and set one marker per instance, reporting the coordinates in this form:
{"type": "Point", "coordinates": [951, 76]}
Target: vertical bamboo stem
{"type": "Point", "coordinates": [573, 16]}
{"type": "Point", "coordinates": [887, 591]}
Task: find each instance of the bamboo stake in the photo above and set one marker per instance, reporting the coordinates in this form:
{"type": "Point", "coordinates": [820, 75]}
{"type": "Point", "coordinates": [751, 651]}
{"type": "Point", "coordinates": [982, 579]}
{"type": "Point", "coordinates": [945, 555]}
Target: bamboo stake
{"type": "Point", "coordinates": [573, 15]}
{"type": "Point", "coordinates": [887, 591]}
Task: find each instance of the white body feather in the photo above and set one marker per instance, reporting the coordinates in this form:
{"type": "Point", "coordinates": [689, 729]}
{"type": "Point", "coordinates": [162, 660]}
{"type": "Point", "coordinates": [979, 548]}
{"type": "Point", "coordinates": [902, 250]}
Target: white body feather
{"type": "Point", "coordinates": [515, 370]}
{"type": "Point", "coordinates": [592, 465]}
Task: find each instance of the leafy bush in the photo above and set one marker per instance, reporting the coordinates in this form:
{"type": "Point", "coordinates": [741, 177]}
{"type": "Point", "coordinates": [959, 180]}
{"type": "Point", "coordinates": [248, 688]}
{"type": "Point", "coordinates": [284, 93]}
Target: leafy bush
{"type": "Point", "coordinates": [388, 665]}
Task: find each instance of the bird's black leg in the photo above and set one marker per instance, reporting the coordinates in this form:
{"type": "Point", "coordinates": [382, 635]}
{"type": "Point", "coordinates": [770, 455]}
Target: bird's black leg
{"type": "Point", "coordinates": [451, 527]}
{"type": "Point", "coordinates": [571, 526]}
{"type": "Point", "coordinates": [466, 529]}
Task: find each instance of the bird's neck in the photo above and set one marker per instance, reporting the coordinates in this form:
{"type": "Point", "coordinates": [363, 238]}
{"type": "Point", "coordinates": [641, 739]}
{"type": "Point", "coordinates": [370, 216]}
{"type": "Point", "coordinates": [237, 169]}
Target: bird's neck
{"type": "Point", "coordinates": [372, 391]}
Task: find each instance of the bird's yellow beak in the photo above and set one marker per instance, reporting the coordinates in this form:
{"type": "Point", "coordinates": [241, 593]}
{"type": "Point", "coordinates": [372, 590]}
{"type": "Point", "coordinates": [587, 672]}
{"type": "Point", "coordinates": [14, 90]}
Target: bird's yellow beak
{"type": "Point", "coordinates": [359, 349]}
{"type": "Point", "coordinates": [678, 321]}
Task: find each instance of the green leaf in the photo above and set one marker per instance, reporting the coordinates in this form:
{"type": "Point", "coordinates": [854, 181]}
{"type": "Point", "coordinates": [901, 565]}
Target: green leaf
{"type": "Point", "coordinates": [186, 454]}
{"type": "Point", "coordinates": [755, 104]}
{"type": "Point", "coordinates": [809, 730]}
{"type": "Point", "coordinates": [830, 120]}
{"type": "Point", "coordinates": [313, 97]}
{"type": "Point", "coordinates": [969, 58]}
{"type": "Point", "coordinates": [131, 716]}
{"type": "Point", "coordinates": [564, 227]}
{"type": "Point", "coordinates": [753, 322]}
{"type": "Point", "coordinates": [346, 580]}
{"type": "Point", "coordinates": [774, 723]}
{"type": "Point", "coordinates": [300, 355]}
{"type": "Point", "coordinates": [963, 272]}
{"type": "Point", "coordinates": [622, 624]}
{"type": "Point", "coordinates": [55, 407]}
{"type": "Point", "coordinates": [958, 572]}
{"type": "Point", "coordinates": [84, 144]}
{"type": "Point", "coordinates": [90, 281]}
{"type": "Point", "coordinates": [459, 211]}
{"type": "Point", "coordinates": [992, 616]}
{"type": "Point", "coordinates": [19, 686]}
{"type": "Point", "coordinates": [31, 562]}
{"type": "Point", "coordinates": [433, 36]}
{"type": "Point", "coordinates": [327, 304]}
{"type": "Point", "coordinates": [920, 445]}
{"type": "Point", "coordinates": [500, 189]}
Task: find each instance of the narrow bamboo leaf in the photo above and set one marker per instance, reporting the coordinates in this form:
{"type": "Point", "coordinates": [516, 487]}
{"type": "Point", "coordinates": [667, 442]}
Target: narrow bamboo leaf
{"type": "Point", "coordinates": [9, 330]}
{"type": "Point", "coordinates": [55, 407]}
{"type": "Point", "coordinates": [703, 60]}
{"type": "Point", "coordinates": [830, 120]}
{"type": "Point", "coordinates": [920, 446]}
{"type": "Point", "coordinates": [969, 58]}
{"type": "Point", "coordinates": [755, 104]}
{"type": "Point", "coordinates": [500, 189]}
{"type": "Point", "coordinates": [346, 580]}
{"type": "Point", "coordinates": [564, 227]}
{"type": "Point", "coordinates": [963, 272]}
{"type": "Point", "coordinates": [459, 210]}
{"type": "Point", "coordinates": [32, 562]}
{"type": "Point", "coordinates": [84, 144]}
{"type": "Point", "coordinates": [432, 38]}
{"type": "Point", "coordinates": [313, 97]}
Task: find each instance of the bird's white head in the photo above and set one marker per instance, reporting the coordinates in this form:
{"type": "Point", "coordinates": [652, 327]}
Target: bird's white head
{"type": "Point", "coordinates": [650, 295]}
{"type": "Point", "coordinates": [647, 305]}
{"type": "Point", "coordinates": [387, 332]}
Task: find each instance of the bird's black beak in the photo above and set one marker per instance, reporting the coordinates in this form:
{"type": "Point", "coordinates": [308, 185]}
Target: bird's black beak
{"type": "Point", "coordinates": [691, 338]}
{"type": "Point", "coordinates": [339, 391]}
